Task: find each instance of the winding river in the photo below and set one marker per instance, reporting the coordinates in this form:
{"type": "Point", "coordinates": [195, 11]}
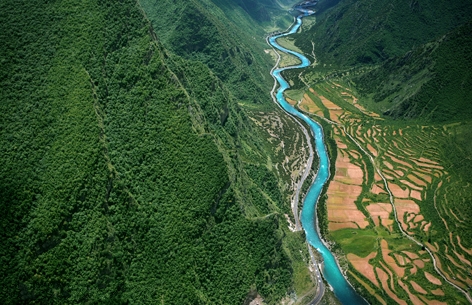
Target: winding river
{"type": "Point", "coordinates": [331, 271]}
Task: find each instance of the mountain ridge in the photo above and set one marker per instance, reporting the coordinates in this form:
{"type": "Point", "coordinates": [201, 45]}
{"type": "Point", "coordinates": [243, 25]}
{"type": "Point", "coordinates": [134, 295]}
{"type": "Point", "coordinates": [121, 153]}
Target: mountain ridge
{"type": "Point", "coordinates": [123, 177]}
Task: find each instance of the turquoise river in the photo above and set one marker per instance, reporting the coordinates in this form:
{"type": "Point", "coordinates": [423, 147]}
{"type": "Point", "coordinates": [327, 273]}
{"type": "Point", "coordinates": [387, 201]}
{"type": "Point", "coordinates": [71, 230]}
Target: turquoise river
{"type": "Point", "coordinates": [331, 272]}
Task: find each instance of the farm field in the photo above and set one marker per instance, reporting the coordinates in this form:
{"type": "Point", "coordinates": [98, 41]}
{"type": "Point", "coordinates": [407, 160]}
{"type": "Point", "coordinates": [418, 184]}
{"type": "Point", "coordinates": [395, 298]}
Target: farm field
{"type": "Point", "coordinates": [385, 168]}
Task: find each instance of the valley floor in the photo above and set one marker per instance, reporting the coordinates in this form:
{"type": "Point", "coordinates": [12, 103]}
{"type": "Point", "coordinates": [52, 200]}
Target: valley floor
{"type": "Point", "coordinates": [389, 212]}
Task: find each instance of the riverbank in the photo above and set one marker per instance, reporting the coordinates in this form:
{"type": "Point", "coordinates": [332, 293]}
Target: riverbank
{"type": "Point", "coordinates": [341, 288]}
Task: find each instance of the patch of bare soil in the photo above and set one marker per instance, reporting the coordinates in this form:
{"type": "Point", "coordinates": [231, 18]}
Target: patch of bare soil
{"type": "Point", "coordinates": [381, 211]}
{"type": "Point", "coordinates": [437, 292]}
{"type": "Point", "coordinates": [400, 271]}
{"type": "Point", "coordinates": [383, 279]}
{"type": "Point", "coordinates": [432, 278]}
{"type": "Point", "coordinates": [307, 104]}
{"type": "Point", "coordinates": [418, 288]}
{"type": "Point", "coordinates": [362, 265]}
{"type": "Point", "coordinates": [257, 301]}
{"type": "Point", "coordinates": [343, 192]}
{"type": "Point", "coordinates": [432, 302]}
{"type": "Point", "coordinates": [413, 298]}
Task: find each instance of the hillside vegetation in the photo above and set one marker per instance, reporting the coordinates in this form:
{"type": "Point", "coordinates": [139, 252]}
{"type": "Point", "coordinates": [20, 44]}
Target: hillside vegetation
{"type": "Point", "coordinates": [412, 57]}
{"type": "Point", "coordinates": [129, 172]}
{"type": "Point", "coordinates": [221, 35]}
{"type": "Point", "coordinates": [432, 82]}
{"type": "Point", "coordinates": [368, 31]}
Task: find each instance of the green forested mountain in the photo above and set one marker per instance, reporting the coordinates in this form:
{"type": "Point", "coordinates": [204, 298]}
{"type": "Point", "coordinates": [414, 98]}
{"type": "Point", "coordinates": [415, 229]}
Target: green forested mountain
{"type": "Point", "coordinates": [411, 58]}
{"type": "Point", "coordinates": [432, 82]}
{"type": "Point", "coordinates": [220, 35]}
{"type": "Point", "coordinates": [122, 178]}
{"type": "Point", "coordinates": [259, 11]}
{"type": "Point", "coordinates": [366, 31]}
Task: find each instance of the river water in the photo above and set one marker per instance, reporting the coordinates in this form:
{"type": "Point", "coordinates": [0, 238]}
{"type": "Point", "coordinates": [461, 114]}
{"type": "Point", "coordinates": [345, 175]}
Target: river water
{"type": "Point", "coordinates": [331, 272]}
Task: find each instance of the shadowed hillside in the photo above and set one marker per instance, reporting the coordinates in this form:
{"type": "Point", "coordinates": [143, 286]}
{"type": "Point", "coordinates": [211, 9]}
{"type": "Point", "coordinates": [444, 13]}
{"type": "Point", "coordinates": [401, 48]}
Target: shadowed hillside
{"type": "Point", "coordinates": [366, 31]}
{"type": "Point", "coordinates": [220, 35]}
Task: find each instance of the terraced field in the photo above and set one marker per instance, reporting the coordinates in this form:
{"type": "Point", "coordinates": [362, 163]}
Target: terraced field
{"type": "Point", "coordinates": [393, 208]}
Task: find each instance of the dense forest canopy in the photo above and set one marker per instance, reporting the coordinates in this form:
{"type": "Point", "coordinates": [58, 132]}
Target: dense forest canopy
{"type": "Point", "coordinates": [121, 176]}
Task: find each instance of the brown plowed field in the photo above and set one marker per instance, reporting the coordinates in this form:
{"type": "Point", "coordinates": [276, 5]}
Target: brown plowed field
{"type": "Point", "coordinates": [307, 104]}
{"type": "Point", "coordinates": [419, 263]}
{"type": "Point", "coordinates": [362, 265]}
{"type": "Point", "coordinates": [397, 191]}
{"type": "Point", "coordinates": [462, 258]}
{"type": "Point", "coordinates": [343, 192]}
{"type": "Point", "coordinates": [290, 101]}
{"type": "Point", "coordinates": [405, 206]}
{"type": "Point", "coordinates": [418, 288]}
{"type": "Point", "coordinates": [377, 189]}
{"type": "Point", "coordinates": [413, 298]}
{"type": "Point", "coordinates": [415, 195]}
{"type": "Point", "coordinates": [382, 211]}
{"type": "Point", "coordinates": [432, 278]}
{"type": "Point", "coordinates": [400, 271]}
{"type": "Point", "coordinates": [383, 278]}
{"type": "Point", "coordinates": [432, 302]}
{"type": "Point", "coordinates": [333, 226]}
{"type": "Point", "coordinates": [468, 251]}
{"type": "Point", "coordinates": [368, 288]}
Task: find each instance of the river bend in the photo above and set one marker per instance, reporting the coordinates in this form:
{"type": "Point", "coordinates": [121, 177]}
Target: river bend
{"type": "Point", "coordinates": [331, 271]}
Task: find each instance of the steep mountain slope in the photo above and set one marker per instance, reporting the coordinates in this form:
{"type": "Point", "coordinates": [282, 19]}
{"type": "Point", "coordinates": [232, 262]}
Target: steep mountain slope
{"type": "Point", "coordinates": [409, 58]}
{"type": "Point", "coordinates": [121, 175]}
{"type": "Point", "coordinates": [200, 31]}
{"type": "Point", "coordinates": [367, 31]}
{"type": "Point", "coordinates": [260, 11]}
{"type": "Point", "coordinates": [432, 82]}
